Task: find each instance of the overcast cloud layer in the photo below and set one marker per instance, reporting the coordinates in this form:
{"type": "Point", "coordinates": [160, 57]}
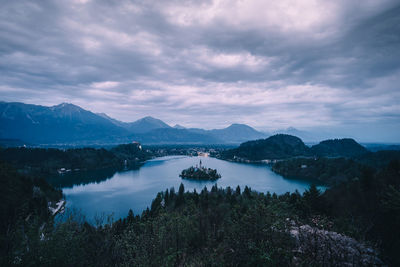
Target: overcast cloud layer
{"type": "Point", "coordinates": [309, 64]}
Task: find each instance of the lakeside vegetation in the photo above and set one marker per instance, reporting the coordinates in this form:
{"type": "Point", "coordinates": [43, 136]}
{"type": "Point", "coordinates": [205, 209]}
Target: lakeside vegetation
{"type": "Point", "coordinates": [326, 171]}
{"type": "Point", "coordinates": [24, 209]}
{"type": "Point", "coordinates": [51, 161]}
{"type": "Point", "coordinates": [331, 171]}
{"type": "Point", "coordinates": [330, 162]}
{"type": "Point", "coordinates": [221, 226]}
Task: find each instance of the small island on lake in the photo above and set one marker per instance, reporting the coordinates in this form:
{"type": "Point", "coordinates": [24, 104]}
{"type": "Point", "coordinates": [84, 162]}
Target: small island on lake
{"type": "Point", "coordinates": [200, 173]}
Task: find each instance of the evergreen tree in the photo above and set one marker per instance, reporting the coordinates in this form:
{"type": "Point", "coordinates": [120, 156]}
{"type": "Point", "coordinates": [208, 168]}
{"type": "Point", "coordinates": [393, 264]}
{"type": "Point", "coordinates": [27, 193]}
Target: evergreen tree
{"type": "Point", "coordinates": [181, 198]}
{"type": "Point", "coordinates": [312, 197]}
{"type": "Point", "coordinates": [237, 192]}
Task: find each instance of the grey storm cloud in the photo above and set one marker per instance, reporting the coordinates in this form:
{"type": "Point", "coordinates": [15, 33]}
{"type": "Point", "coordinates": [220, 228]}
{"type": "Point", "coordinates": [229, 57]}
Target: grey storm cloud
{"type": "Point", "coordinates": [271, 64]}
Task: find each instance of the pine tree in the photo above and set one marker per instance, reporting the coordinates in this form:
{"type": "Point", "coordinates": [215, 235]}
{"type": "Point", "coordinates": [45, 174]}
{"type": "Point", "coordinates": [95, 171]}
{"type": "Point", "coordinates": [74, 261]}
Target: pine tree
{"type": "Point", "coordinates": [312, 196]}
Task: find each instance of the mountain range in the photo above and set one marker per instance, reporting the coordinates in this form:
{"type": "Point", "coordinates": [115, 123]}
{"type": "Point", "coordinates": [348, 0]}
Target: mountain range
{"type": "Point", "coordinates": [309, 137]}
{"type": "Point", "coordinates": [72, 125]}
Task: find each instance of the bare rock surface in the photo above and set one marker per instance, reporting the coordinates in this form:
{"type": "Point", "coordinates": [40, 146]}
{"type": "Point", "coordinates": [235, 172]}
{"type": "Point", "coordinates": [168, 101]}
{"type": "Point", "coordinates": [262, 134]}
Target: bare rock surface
{"type": "Point", "coordinates": [316, 247]}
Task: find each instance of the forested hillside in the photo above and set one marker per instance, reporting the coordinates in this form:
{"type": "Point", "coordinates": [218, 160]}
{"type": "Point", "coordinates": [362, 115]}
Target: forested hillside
{"type": "Point", "coordinates": [278, 146]}
{"type": "Point", "coordinates": [228, 227]}
{"type": "Point", "coordinates": [331, 171]}
{"type": "Point", "coordinates": [346, 147]}
{"type": "Point", "coordinates": [42, 161]}
{"type": "Point", "coordinates": [24, 210]}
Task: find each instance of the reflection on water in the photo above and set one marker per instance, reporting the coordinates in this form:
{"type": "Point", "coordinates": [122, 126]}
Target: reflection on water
{"type": "Point", "coordinates": [81, 178]}
{"type": "Point", "coordinates": [135, 189]}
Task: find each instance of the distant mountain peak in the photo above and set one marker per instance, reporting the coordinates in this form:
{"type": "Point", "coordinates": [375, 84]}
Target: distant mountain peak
{"type": "Point", "coordinates": [148, 118]}
{"type": "Point", "coordinates": [240, 126]}
{"type": "Point", "coordinates": [68, 123]}
{"type": "Point", "coordinates": [153, 120]}
{"type": "Point", "coordinates": [291, 129]}
{"type": "Point", "coordinates": [178, 126]}
{"type": "Point", "coordinates": [104, 115]}
{"type": "Point", "coordinates": [146, 124]}
{"type": "Point", "coordinates": [304, 135]}
{"type": "Point", "coordinates": [63, 123]}
{"type": "Point", "coordinates": [237, 133]}
{"type": "Point", "coordinates": [66, 106]}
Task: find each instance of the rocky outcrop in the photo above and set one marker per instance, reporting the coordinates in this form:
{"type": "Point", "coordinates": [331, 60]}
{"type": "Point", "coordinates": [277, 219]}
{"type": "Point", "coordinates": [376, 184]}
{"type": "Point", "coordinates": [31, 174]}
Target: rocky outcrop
{"type": "Point", "coordinates": [316, 247]}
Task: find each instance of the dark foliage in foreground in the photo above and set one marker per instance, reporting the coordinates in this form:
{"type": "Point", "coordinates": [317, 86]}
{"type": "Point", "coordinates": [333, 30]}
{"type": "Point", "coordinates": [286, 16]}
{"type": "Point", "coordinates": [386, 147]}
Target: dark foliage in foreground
{"type": "Point", "coordinates": [379, 159]}
{"type": "Point", "coordinates": [369, 209]}
{"type": "Point", "coordinates": [23, 211]}
{"type": "Point", "coordinates": [227, 227]}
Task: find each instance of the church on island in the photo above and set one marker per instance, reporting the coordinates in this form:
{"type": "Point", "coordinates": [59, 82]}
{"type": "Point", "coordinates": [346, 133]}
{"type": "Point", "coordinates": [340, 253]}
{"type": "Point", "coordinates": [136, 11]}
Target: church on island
{"type": "Point", "coordinates": [199, 172]}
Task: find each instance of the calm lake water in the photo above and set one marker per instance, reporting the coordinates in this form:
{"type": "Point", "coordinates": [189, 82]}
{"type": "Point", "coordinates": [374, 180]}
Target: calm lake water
{"type": "Point", "coordinates": [136, 189]}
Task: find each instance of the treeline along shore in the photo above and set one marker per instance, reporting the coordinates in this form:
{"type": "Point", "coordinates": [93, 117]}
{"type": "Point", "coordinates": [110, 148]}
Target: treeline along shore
{"type": "Point", "coordinates": [354, 222]}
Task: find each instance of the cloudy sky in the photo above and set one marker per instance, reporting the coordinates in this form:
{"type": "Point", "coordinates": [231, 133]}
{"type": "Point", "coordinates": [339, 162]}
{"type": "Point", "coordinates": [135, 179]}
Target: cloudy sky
{"type": "Point", "coordinates": [328, 66]}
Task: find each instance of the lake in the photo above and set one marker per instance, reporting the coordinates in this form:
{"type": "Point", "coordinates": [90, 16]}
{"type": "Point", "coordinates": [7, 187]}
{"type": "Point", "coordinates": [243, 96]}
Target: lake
{"type": "Point", "coordinates": [135, 189]}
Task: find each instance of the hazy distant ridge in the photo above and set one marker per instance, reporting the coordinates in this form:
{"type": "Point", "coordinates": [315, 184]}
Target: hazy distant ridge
{"type": "Point", "coordinates": [70, 124]}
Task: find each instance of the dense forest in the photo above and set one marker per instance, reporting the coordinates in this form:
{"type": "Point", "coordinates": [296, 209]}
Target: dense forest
{"type": "Point", "coordinates": [330, 162]}
{"type": "Point", "coordinates": [331, 171]}
{"type": "Point", "coordinates": [234, 227]}
{"type": "Point", "coordinates": [24, 211]}
{"type": "Point", "coordinates": [345, 147]}
{"type": "Point", "coordinates": [49, 161]}
{"type": "Point", "coordinates": [284, 146]}
{"type": "Point", "coordinates": [280, 146]}
{"type": "Point", "coordinates": [354, 222]}
{"type": "Point", "coordinates": [321, 170]}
